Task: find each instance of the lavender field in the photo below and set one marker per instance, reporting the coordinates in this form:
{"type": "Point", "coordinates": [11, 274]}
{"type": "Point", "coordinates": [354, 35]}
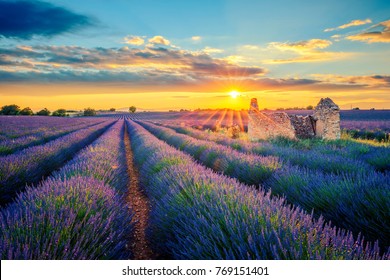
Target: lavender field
{"type": "Point", "coordinates": [178, 186]}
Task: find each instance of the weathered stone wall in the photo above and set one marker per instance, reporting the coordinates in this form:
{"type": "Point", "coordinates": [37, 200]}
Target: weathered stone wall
{"type": "Point", "coordinates": [327, 116]}
{"type": "Point", "coordinates": [324, 123]}
{"type": "Point", "coordinates": [265, 125]}
{"type": "Point", "coordinates": [304, 126]}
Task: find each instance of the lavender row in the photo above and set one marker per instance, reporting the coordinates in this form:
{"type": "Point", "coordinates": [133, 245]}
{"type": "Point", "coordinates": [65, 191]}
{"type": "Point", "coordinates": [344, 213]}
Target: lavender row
{"type": "Point", "coordinates": [13, 127]}
{"type": "Point", "coordinates": [330, 156]}
{"type": "Point", "coordinates": [374, 125]}
{"type": "Point", "coordinates": [373, 153]}
{"type": "Point", "coordinates": [358, 202]}
{"type": "Point", "coordinates": [104, 159]}
{"type": "Point", "coordinates": [250, 169]}
{"type": "Point", "coordinates": [9, 146]}
{"type": "Point", "coordinates": [310, 159]}
{"type": "Point", "coordinates": [199, 214]}
{"type": "Point", "coordinates": [78, 213]}
{"type": "Point", "coordinates": [30, 165]}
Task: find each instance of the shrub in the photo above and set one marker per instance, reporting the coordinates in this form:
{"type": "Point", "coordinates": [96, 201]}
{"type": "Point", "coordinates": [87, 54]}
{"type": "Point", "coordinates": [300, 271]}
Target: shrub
{"type": "Point", "coordinates": [43, 112]}
{"type": "Point", "coordinates": [26, 112]}
{"type": "Point", "coordinates": [79, 218]}
{"type": "Point", "coordinates": [88, 112]}
{"type": "Point", "coordinates": [59, 113]}
{"type": "Point", "coordinates": [10, 110]}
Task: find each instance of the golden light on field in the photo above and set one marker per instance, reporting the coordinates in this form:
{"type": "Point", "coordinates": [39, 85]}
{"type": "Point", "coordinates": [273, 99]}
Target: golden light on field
{"type": "Point", "coordinates": [234, 93]}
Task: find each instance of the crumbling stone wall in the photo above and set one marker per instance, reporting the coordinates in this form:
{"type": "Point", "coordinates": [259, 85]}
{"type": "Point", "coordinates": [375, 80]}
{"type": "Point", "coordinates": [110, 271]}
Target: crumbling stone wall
{"type": "Point", "coordinates": [265, 125]}
{"type": "Point", "coordinates": [327, 116]}
{"type": "Point", "coordinates": [325, 122]}
{"type": "Point", "coordinates": [304, 126]}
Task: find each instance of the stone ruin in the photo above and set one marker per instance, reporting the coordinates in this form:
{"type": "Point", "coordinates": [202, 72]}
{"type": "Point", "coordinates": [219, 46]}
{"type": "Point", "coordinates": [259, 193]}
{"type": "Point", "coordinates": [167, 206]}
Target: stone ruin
{"type": "Point", "coordinates": [324, 123]}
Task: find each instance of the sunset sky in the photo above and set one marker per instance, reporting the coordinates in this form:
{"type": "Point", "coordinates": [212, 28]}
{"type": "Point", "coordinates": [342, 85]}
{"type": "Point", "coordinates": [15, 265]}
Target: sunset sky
{"type": "Point", "coordinates": [172, 54]}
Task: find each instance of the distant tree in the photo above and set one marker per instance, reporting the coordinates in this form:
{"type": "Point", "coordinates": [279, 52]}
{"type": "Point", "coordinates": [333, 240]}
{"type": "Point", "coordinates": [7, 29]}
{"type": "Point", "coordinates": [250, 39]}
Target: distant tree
{"type": "Point", "coordinates": [132, 109]}
{"type": "Point", "coordinates": [10, 110]}
{"type": "Point", "coordinates": [59, 113]}
{"type": "Point", "coordinates": [356, 108]}
{"type": "Point", "coordinates": [26, 112]}
{"type": "Point", "coordinates": [88, 112]}
{"type": "Point", "coordinates": [44, 112]}
{"type": "Point", "coordinates": [310, 107]}
{"type": "Point", "coordinates": [112, 109]}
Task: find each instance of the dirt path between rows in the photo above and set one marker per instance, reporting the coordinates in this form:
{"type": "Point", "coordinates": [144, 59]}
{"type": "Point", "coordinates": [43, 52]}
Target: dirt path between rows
{"type": "Point", "coordinates": [139, 203]}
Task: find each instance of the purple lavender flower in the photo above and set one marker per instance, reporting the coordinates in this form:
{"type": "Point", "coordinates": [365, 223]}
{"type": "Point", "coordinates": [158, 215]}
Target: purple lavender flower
{"type": "Point", "coordinates": [199, 214]}
{"type": "Point", "coordinates": [28, 166]}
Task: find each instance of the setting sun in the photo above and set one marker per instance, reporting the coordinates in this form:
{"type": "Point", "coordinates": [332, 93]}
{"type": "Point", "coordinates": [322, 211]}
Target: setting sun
{"type": "Point", "coordinates": [234, 94]}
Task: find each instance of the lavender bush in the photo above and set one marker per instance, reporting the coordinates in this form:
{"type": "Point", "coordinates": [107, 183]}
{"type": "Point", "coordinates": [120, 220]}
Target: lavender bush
{"type": "Point", "coordinates": [309, 158]}
{"type": "Point", "coordinates": [104, 160]}
{"type": "Point", "coordinates": [357, 201]}
{"type": "Point", "coordinates": [249, 169]}
{"type": "Point", "coordinates": [373, 153]}
{"type": "Point", "coordinates": [198, 214]}
{"type": "Point", "coordinates": [43, 135]}
{"type": "Point", "coordinates": [28, 166]}
{"type": "Point", "coordinates": [78, 213]}
{"type": "Point", "coordinates": [13, 127]}
{"type": "Point", "coordinates": [79, 218]}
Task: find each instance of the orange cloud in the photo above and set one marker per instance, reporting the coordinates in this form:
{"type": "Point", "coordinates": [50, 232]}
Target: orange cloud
{"type": "Point", "coordinates": [309, 51]}
{"type": "Point", "coordinates": [379, 36]}
{"type": "Point", "coordinates": [302, 46]}
{"type": "Point", "coordinates": [142, 66]}
{"type": "Point", "coordinates": [134, 40]}
{"type": "Point", "coordinates": [312, 57]}
{"type": "Point", "coordinates": [371, 81]}
{"type": "Point", "coordinates": [355, 22]}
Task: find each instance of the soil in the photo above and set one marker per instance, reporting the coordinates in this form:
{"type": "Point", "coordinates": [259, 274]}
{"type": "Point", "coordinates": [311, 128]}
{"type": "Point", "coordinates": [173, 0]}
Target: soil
{"type": "Point", "coordinates": [139, 203]}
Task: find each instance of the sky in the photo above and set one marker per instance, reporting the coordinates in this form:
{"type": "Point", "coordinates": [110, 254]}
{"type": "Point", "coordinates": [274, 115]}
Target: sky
{"type": "Point", "coordinates": [173, 54]}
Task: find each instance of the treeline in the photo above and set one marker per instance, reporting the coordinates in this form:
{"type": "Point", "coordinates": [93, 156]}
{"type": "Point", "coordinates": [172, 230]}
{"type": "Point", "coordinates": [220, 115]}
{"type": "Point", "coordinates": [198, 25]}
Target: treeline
{"type": "Point", "coordinates": [13, 110]}
{"type": "Point", "coordinates": [309, 107]}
